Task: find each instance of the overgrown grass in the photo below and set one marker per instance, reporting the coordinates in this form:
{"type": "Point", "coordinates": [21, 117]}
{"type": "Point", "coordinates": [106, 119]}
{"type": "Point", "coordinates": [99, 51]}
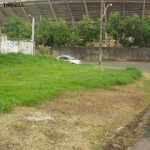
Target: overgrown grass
{"type": "Point", "coordinates": [28, 80]}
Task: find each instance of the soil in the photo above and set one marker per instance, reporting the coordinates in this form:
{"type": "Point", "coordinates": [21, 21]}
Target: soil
{"type": "Point", "coordinates": [78, 120]}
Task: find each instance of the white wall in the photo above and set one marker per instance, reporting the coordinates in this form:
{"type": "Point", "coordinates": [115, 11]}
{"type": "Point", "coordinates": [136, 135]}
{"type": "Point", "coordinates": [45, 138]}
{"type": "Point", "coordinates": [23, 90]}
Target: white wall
{"type": "Point", "coordinates": [26, 47]}
{"type": "Point", "coordinates": [7, 46]}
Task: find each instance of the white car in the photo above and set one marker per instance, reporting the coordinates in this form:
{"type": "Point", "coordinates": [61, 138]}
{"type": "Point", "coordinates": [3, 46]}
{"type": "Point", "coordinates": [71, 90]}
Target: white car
{"type": "Point", "coordinates": [69, 59]}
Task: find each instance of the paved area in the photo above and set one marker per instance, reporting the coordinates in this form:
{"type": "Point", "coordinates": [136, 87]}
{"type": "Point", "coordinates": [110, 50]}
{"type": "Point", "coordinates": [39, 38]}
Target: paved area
{"type": "Point", "coordinates": [140, 65]}
{"type": "Point", "coordinates": [144, 143]}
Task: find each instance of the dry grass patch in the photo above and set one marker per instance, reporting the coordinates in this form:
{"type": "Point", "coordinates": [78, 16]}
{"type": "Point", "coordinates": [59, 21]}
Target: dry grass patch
{"type": "Point", "coordinates": [79, 120]}
{"type": "Point", "coordinates": [98, 113]}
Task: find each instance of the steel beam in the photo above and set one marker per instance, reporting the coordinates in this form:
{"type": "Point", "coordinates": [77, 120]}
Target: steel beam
{"type": "Point", "coordinates": [86, 9]}
{"type": "Point", "coordinates": [124, 9]}
{"type": "Point", "coordinates": [38, 10]}
{"type": "Point", "coordinates": [72, 18]}
{"type": "Point", "coordinates": [11, 10]}
{"type": "Point", "coordinates": [52, 10]}
{"type": "Point", "coordinates": [25, 14]}
{"type": "Point", "coordinates": [143, 13]}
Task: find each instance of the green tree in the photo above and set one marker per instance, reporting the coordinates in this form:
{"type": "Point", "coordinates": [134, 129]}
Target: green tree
{"type": "Point", "coordinates": [17, 28]}
{"type": "Point", "coordinates": [88, 31]}
{"type": "Point", "coordinates": [133, 31]}
{"type": "Point", "coordinates": [74, 37]}
{"type": "Point", "coordinates": [147, 30]}
{"type": "Point", "coordinates": [114, 26]}
{"type": "Point", "coordinates": [52, 33]}
{"type": "Point", "coordinates": [61, 33]}
{"type": "Point", "coordinates": [45, 32]}
{"type": "Point", "coordinates": [137, 31]}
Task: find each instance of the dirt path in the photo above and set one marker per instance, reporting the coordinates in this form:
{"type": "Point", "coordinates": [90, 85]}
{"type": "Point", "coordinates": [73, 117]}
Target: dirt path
{"type": "Point", "coordinates": [144, 142]}
{"type": "Point", "coordinates": [79, 120]}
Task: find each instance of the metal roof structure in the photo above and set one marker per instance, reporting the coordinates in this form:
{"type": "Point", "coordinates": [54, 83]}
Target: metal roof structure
{"type": "Point", "coordinates": [72, 10]}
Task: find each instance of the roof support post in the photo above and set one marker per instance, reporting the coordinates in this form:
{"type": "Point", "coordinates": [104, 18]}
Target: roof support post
{"type": "Point", "coordinates": [124, 9]}
{"type": "Point", "coordinates": [143, 13]}
{"type": "Point", "coordinates": [25, 14]}
{"type": "Point", "coordinates": [11, 10]}
{"type": "Point", "coordinates": [38, 10]}
{"type": "Point", "coordinates": [52, 10]}
{"type": "Point", "coordinates": [86, 9]}
{"type": "Point", "coordinates": [72, 18]}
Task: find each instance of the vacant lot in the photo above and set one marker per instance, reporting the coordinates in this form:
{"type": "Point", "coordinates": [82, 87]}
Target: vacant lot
{"type": "Point", "coordinates": [75, 119]}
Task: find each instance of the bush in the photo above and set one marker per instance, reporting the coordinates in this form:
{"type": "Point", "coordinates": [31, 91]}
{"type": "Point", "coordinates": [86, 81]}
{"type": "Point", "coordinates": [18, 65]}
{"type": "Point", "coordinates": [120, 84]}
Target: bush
{"type": "Point", "coordinates": [43, 50]}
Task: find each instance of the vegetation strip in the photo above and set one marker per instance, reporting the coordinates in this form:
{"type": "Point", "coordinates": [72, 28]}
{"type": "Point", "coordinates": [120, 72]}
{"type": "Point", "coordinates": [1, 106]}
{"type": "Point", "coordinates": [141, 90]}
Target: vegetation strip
{"type": "Point", "coordinates": [132, 31]}
{"type": "Point", "coordinates": [28, 80]}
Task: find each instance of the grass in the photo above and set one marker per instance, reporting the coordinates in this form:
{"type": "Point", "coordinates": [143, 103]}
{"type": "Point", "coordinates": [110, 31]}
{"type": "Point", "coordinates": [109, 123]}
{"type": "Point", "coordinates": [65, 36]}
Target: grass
{"type": "Point", "coordinates": [28, 80]}
{"type": "Point", "coordinates": [147, 86]}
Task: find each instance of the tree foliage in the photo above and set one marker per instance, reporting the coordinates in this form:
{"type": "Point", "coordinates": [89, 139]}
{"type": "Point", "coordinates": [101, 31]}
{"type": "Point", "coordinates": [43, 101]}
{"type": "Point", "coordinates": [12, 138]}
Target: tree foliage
{"type": "Point", "coordinates": [88, 31]}
{"type": "Point", "coordinates": [45, 32]}
{"type": "Point", "coordinates": [61, 33]}
{"type": "Point", "coordinates": [52, 33]}
{"type": "Point", "coordinates": [136, 32]}
{"type": "Point", "coordinates": [58, 33]}
{"type": "Point", "coordinates": [74, 36]}
{"type": "Point", "coordinates": [133, 31]}
{"type": "Point", "coordinates": [17, 28]}
{"type": "Point", "coordinates": [114, 26]}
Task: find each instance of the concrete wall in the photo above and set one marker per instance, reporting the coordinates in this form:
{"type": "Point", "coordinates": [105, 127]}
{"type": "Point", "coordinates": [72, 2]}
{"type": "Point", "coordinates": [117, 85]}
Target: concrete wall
{"type": "Point", "coordinates": [92, 53]}
{"type": "Point", "coordinates": [7, 46]}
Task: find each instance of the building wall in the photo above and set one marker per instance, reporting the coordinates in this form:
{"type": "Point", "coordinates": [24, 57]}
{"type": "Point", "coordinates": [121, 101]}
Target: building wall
{"type": "Point", "coordinates": [7, 46]}
{"type": "Point", "coordinates": [92, 53]}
